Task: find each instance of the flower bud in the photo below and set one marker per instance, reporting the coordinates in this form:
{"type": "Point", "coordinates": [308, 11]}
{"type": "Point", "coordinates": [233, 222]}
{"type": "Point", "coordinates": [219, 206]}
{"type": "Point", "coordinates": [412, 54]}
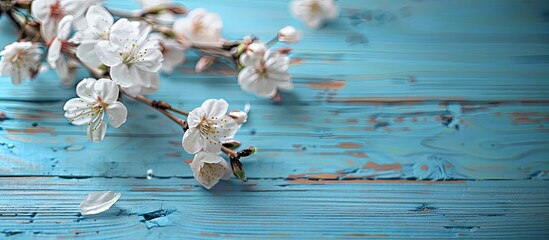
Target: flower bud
{"type": "Point", "coordinates": [231, 144]}
{"type": "Point", "coordinates": [247, 152]}
{"type": "Point", "coordinates": [239, 116]}
{"type": "Point", "coordinates": [238, 171]}
{"type": "Point", "coordinates": [289, 34]}
{"type": "Point", "coordinates": [256, 49]}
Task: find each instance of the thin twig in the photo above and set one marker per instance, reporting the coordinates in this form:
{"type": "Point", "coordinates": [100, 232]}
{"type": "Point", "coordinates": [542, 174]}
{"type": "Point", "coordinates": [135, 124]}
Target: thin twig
{"type": "Point", "coordinates": [182, 123]}
{"type": "Point", "coordinates": [158, 105]}
{"type": "Point", "coordinates": [228, 151]}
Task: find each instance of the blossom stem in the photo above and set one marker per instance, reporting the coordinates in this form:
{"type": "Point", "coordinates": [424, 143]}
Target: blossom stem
{"type": "Point", "coordinates": [272, 42]}
{"type": "Point", "coordinates": [160, 105]}
{"type": "Point", "coordinates": [182, 123]}
{"type": "Point", "coordinates": [228, 151]}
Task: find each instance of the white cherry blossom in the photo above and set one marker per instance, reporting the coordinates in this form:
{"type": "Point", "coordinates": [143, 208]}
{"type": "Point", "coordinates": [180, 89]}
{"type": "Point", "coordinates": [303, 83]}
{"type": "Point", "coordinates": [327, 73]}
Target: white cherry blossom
{"type": "Point", "coordinates": [172, 50]}
{"type": "Point", "coordinates": [314, 13]}
{"type": "Point", "coordinates": [209, 126]}
{"type": "Point", "coordinates": [95, 99]}
{"type": "Point", "coordinates": [209, 168]}
{"type": "Point", "coordinates": [134, 60]}
{"type": "Point", "coordinates": [266, 75]}
{"type": "Point", "coordinates": [55, 58]}
{"type": "Point", "coordinates": [99, 22]}
{"type": "Point", "coordinates": [200, 27]}
{"type": "Point", "coordinates": [50, 12]}
{"type": "Point", "coordinates": [20, 60]}
{"type": "Point", "coordinates": [289, 34]}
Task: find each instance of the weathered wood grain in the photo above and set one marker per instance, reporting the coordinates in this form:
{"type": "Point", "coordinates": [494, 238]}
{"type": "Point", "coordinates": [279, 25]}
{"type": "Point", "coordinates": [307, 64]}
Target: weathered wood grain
{"type": "Point", "coordinates": [444, 92]}
{"type": "Point", "coordinates": [47, 207]}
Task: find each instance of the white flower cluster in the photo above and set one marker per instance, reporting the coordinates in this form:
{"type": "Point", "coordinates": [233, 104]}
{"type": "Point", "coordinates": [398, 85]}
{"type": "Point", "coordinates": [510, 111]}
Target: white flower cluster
{"type": "Point", "coordinates": [209, 126]}
{"type": "Point", "coordinates": [127, 55]}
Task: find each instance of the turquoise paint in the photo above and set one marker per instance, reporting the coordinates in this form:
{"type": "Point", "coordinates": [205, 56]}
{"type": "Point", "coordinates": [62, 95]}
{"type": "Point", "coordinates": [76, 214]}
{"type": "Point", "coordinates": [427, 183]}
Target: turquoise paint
{"type": "Point", "coordinates": [417, 90]}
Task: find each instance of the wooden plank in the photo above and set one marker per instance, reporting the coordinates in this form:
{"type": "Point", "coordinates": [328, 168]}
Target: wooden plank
{"type": "Point", "coordinates": [401, 110]}
{"type": "Point", "coordinates": [397, 100]}
{"type": "Point", "coordinates": [48, 207]}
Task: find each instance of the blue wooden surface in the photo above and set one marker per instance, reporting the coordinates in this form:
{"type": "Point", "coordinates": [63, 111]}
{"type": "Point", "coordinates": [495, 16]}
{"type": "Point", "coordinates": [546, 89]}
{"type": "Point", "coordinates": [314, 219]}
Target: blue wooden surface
{"type": "Point", "coordinates": [359, 149]}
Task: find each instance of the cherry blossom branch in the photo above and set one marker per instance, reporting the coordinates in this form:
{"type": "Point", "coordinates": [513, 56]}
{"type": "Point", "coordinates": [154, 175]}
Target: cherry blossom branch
{"type": "Point", "coordinates": [159, 104]}
{"type": "Point", "coordinates": [212, 131]}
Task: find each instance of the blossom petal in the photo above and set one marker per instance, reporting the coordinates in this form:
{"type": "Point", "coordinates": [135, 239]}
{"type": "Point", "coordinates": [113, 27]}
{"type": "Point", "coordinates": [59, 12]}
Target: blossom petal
{"type": "Point", "coordinates": [98, 128]}
{"type": "Point", "coordinates": [151, 61]}
{"type": "Point", "coordinates": [117, 114]}
{"type": "Point", "coordinates": [260, 88]}
{"type": "Point", "coordinates": [279, 77]}
{"type": "Point", "coordinates": [215, 108]}
{"type": "Point", "coordinates": [195, 116]}
{"type": "Point", "coordinates": [41, 9]}
{"type": "Point", "coordinates": [54, 52]}
{"type": "Point", "coordinates": [277, 62]}
{"type": "Point", "coordinates": [86, 53]}
{"type": "Point", "coordinates": [107, 90]}
{"type": "Point", "coordinates": [62, 69]}
{"type": "Point", "coordinates": [227, 170]}
{"type": "Point", "coordinates": [192, 141]}
{"type": "Point", "coordinates": [247, 75]}
{"type": "Point", "coordinates": [64, 28]}
{"type": "Point", "coordinates": [49, 30]}
{"type": "Point", "coordinates": [99, 18]}
{"type": "Point", "coordinates": [211, 145]}
{"type": "Point", "coordinates": [78, 111]}
{"type": "Point", "coordinates": [123, 32]}
{"type": "Point", "coordinates": [97, 202]}
{"type": "Point", "coordinates": [85, 88]}
{"type": "Point", "coordinates": [125, 75]}
{"type": "Point", "coordinates": [227, 128]}
{"type": "Point", "coordinates": [107, 54]}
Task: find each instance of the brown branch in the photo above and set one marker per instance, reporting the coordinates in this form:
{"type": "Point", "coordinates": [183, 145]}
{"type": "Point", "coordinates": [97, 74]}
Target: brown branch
{"type": "Point", "coordinates": [229, 152]}
{"type": "Point", "coordinates": [162, 107]}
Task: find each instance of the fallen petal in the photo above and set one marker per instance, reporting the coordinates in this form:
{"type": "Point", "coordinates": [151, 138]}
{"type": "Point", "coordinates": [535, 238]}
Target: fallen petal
{"type": "Point", "coordinates": [98, 202]}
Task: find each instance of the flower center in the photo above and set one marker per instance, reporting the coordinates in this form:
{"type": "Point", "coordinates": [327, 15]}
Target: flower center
{"type": "Point", "coordinates": [262, 69]}
{"type": "Point", "coordinates": [99, 106]}
{"type": "Point", "coordinates": [209, 129]}
{"type": "Point", "coordinates": [56, 11]}
{"type": "Point", "coordinates": [315, 7]}
{"type": "Point", "coordinates": [206, 127]}
{"type": "Point", "coordinates": [197, 27]}
{"type": "Point", "coordinates": [132, 53]}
